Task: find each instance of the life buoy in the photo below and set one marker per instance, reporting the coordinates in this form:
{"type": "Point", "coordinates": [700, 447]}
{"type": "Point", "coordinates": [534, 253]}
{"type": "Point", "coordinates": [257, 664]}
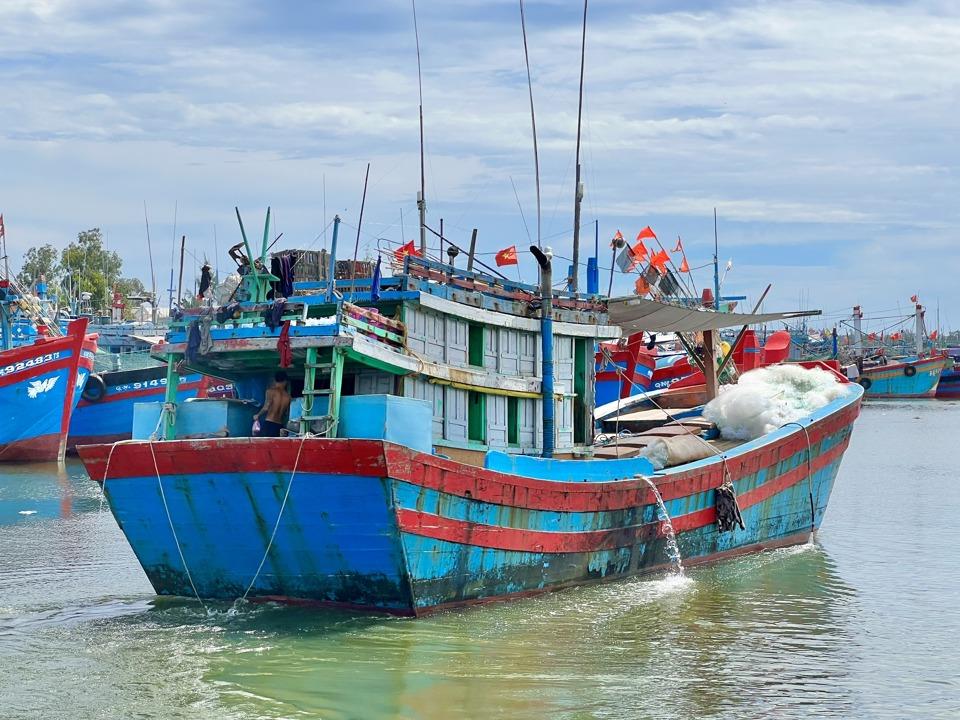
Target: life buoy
{"type": "Point", "coordinates": [94, 389]}
{"type": "Point", "coordinates": [909, 371]}
{"type": "Point", "coordinates": [865, 382]}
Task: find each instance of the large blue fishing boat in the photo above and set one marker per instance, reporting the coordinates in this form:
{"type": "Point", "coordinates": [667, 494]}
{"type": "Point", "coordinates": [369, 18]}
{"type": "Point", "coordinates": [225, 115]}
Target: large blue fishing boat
{"type": "Point", "coordinates": [42, 373]}
{"type": "Point", "coordinates": [440, 450]}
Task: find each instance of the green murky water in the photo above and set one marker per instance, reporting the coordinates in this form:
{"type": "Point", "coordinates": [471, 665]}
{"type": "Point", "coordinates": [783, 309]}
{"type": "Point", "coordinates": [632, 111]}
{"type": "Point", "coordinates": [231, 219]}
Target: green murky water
{"type": "Point", "coordinates": [866, 623]}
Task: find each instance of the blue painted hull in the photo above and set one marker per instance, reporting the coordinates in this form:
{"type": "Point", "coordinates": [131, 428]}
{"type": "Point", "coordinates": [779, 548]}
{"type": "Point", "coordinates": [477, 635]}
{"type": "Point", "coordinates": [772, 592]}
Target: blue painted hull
{"type": "Point", "coordinates": [949, 385]}
{"type": "Point", "coordinates": [908, 379]}
{"type": "Point", "coordinates": [376, 526]}
{"type": "Point", "coordinates": [110, 418]}
{"type": "Point", "coordinates": [39, 387]}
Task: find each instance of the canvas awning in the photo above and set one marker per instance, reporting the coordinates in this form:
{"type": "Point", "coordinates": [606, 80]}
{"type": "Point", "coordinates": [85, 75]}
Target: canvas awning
{"type": "Point", "coordinates": [633, 314]}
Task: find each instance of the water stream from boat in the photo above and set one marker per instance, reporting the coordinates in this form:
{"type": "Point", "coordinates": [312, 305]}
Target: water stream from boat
{"type": "Point", "coordinates": [673, 550]}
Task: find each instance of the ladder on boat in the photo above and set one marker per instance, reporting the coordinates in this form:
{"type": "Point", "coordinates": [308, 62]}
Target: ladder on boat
{"type": "Point", "coordinates": [317, 374]}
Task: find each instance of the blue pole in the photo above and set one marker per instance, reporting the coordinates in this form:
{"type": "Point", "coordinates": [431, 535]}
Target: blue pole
{"type": "Point", "coordinates": [546, 344]}
{"type": "Point", "coordinates": [836, 348]}
{"type": "Point", "coordinates": [331, 282]}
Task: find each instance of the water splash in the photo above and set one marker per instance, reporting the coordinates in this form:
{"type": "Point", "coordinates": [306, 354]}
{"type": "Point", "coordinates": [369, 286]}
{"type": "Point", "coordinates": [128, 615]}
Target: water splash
{"type": "Point", "coordinates": [673, 550]}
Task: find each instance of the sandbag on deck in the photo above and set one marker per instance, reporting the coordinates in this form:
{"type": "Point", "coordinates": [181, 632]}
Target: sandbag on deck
{"type": "Point", "coordinates": [666, 452]}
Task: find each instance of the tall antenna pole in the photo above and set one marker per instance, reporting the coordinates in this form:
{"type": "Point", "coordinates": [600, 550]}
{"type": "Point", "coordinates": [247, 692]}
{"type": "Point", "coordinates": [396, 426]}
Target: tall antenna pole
{"type": "Point", "coordinates": [173, 248]}
{"type": "Point", "coordinates": [578, 190]}
{"type": "Point", "coordinates": [716, 266]}
{"type": "Point", "coordinates": [533, 118]}
{"type": "Point", "coordinates": [153, 275]}
{"type": "Point", "coordinates": [422, 197]}
{"type": "Point", "coordinates": [356, 246]}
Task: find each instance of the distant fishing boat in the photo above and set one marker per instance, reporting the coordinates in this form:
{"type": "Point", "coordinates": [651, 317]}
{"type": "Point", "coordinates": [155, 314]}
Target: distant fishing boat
{"type": "Point", "coordinates": [636, 366]}
{"type": "Point", "coordinates": [916, 376]}
{"type": "Point", "coordinates": [442, 452]}
{"type": "Point", "coordinates": [41, 377]}
{"type": "Point", "coordinates": [949, 386]}
{"type": "Point", "coordinates": [104, 413]}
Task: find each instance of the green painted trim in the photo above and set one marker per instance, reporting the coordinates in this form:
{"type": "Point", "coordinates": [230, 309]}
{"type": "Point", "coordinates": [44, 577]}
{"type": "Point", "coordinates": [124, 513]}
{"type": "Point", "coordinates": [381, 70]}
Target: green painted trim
{"type": "Point", "coordinates": [170, 400]}
{"type": "Point", "coordinates": [477, 417]}
{"type": "Point", "coordinates": [374, 363]}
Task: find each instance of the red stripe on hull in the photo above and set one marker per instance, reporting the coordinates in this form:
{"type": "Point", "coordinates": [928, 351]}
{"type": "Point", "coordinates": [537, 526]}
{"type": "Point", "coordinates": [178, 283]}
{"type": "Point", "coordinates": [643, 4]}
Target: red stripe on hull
{"type": "Point", "coordinates": [45, 448]}
{"type": "Point", "coordinates": [507, 538]}
{"type": "Point", "coordinates": [380, 459]}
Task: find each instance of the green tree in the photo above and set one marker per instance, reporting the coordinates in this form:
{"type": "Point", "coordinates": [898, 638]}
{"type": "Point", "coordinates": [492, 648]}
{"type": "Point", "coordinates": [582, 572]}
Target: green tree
{"type": "Point", "coordinates": [43, 260]}
{"type": "Point", "coordinates": [89, 267]}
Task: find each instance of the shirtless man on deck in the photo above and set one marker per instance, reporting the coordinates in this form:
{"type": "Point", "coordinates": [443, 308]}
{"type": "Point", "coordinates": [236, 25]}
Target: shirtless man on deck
{"type": "Point", "coordinates": [276, 406]}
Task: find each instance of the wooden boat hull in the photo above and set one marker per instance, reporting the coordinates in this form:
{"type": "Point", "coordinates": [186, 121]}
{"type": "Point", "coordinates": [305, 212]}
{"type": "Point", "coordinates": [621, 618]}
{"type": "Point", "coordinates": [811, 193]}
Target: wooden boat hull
{"type": "Point", "coordinates": [109, 417]}
{"type": "Point", "coordinates": [40, 385]}
{"type": "Point", "coordinates": [376, 526]}
{"type": "Point", "coordinates": [911, 379]}
{"type": "Point", "coordinates": [949, 386]}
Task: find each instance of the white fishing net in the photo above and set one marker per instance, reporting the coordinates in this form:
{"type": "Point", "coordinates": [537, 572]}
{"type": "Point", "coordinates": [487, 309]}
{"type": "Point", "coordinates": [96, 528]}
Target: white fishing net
{"type": "Point", "coordinates": [766, 398]}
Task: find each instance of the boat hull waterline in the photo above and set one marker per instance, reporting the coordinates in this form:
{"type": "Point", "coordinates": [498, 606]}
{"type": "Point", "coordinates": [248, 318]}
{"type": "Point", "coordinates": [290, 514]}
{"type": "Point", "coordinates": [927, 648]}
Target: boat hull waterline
{"type": "Point", "coordinates": [371, 525]}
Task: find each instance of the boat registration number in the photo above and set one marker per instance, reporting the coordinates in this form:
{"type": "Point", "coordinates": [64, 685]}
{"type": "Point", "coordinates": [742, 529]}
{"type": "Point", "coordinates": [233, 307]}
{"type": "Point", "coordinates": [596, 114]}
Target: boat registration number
{"type": "Point", "coordinates": [26, 364]}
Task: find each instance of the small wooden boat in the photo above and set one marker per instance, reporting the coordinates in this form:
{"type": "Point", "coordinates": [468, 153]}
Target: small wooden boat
{"type": "Point", "coordinates": [443, 452]}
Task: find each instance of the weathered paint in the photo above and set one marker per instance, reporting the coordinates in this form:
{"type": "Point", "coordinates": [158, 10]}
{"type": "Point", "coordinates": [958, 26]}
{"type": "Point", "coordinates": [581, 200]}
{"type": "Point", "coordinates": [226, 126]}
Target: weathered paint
{"type": "Point", "coordinates": [949, 385]}
{"type": "Point", "coordinates": [892, 381]}
{"type": "Point", "coordinates": [373, 525]}
{"type": "Point", "coordinates": [110, 418]}
{"type": "Point", "coordinates": [39, 387]}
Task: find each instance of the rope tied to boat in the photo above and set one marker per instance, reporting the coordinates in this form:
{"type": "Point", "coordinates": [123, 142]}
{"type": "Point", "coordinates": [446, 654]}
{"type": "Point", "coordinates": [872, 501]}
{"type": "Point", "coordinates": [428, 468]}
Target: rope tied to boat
{"type": "Point", "coordinates": [276, 525]}
{"type": "Point", "coordinates": [176, 540]}
{"type": "Point", "coordinates": [813, 509]}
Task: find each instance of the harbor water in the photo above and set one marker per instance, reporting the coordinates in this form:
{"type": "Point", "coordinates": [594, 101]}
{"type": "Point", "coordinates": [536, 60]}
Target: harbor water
{"type": "Point", "coordinates": [864, 623]}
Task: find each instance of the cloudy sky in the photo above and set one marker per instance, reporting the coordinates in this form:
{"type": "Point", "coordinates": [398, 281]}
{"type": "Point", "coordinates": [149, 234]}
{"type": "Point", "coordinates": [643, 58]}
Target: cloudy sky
{"type": "Point", "coordinates": [825, 133]}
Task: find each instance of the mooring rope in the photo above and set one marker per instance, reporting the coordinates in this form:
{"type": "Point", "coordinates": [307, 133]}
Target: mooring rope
{"type": "Point", "coordinates": [276, 525]}
{"type": "Point", "coordinates": [176, 540]}
{"type": "Point", "coordinates": [813, 515]}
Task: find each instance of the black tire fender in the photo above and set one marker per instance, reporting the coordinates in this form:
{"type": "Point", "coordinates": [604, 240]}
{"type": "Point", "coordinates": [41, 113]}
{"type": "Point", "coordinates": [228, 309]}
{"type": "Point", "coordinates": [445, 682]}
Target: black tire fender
{"type": "Point", "coordinates": [909, 371]}
{"type": "Point", "coordinates": [95, 389]}
{"type": "Point", "coordinates": [865, 382]}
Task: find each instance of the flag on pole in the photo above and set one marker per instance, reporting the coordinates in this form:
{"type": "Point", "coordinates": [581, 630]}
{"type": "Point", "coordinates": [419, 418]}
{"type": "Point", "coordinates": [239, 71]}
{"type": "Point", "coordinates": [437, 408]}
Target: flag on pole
{"type": "Point", "coordinates": [659, 261]}
{"type": "Point", "coordinates": [408, 249]}
{"type": "Point", "coordinates": [640, 251]}
{"type": "Point", "coordinates": [684, 267]}
{"type": "Point", "coordinates": [913, 298]}
{"type": "Point", "coordinates": [507, 256]}
{"type": "Point", "coordinates": [641, 287]}
{"type": "Point", "coordinates": [934, 334]}
{"type": "Point", "coordinates": [627, 260]}
{"type": "Point", "coordinates": [646, 233]}
{"type": "Point", "coordinates": [617, 240]}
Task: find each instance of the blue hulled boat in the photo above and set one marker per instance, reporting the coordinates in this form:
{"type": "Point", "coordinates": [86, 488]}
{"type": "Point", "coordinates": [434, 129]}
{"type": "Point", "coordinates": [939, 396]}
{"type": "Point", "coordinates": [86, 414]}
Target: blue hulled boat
{"type": "Point", "coordinates": [440, 451]}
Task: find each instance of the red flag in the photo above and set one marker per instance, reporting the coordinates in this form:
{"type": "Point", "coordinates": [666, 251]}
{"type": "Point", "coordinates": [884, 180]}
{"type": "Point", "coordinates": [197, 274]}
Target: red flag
{"type": "Point", "coordinates": [895, 336]}
{"type": "Point", "coordinates": [641, 286]}
{"type": "Point", "coordinates": [872, 336]}
{"type": "Point", "coordinates": [934, 334]}
{"type": "Point", "coordinates": [659, 261]}
{"type": "Point", "coordinates": [684, 267]}
{"type": "Point", "coordinates": [507, 256]}
{"type": "Point", "coordinates": [408, 249]}
{"type": "Point", "coordinates": [913, 298]}
{"type": "Point", "coordinates": [646, 233]}
{"type": "Point", "coordinates": [618, 238]}
{"type": "Point", "coordinates": [640, 252]}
